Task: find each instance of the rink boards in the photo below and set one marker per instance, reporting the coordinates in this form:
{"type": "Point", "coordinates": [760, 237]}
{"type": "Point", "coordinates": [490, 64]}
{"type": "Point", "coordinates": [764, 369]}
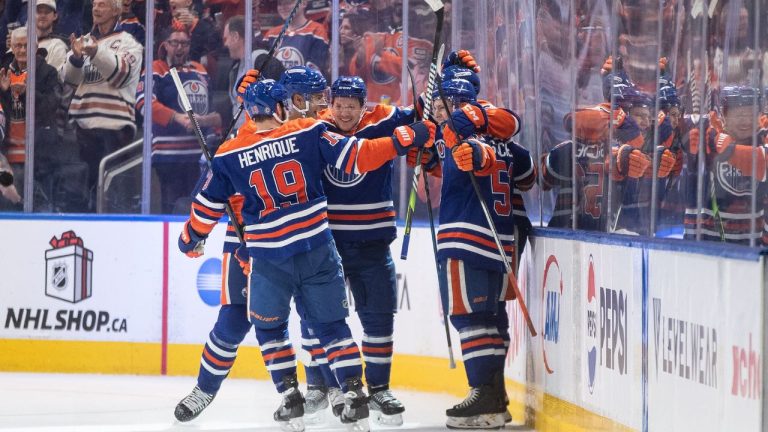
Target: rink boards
{"type": "Point", "coordinates": [641, 335]}
{"type": "Point", "coordinates": [633, 335]}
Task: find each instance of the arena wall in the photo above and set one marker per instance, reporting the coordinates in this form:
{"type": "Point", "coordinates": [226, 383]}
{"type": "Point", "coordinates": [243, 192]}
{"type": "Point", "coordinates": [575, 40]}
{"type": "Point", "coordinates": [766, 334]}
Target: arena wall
{"type": "Point", "coordinates": [634, 334]}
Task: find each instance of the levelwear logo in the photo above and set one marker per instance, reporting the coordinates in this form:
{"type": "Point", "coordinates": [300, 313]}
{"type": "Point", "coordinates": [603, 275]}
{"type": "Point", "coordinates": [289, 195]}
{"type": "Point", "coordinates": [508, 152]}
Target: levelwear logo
{"type": "Point", "coordinates": [688, 350]}
{"type": "Point", "coordinates": [606, 329]}
{"type": "Point", "coordinates": [551, 293]}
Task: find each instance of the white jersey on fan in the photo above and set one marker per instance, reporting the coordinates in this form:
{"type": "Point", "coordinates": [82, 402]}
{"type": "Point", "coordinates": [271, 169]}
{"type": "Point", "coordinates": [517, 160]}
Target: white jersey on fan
{"type": "Point", "coordinates": [106, 84]}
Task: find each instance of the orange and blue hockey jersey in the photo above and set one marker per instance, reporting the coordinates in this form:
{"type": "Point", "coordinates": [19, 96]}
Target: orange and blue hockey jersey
{"type": "Point", "coordinates": [171, 140]}
{"type": "Point", "coordinates": [278, 173]}
{"type": "Point", "coordinates": [360, 206]}
{"type": "Point", "coordinates": [464, 233]}
{"type": "Point", "coordinates": [305, 46]}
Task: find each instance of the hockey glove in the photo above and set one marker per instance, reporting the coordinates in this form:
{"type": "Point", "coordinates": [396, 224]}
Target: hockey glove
{"type": "Point", "coordinates": [242, 257]}
{"type": "Point", "coordinates": [667, 161]}
{"type": "Point", "coordinates": [190, 242]}
{"type": "Point", "coordinates": [631, 162]}
{"type": "Point", "coordinates": [461, 58]}
{"type": "Point", "coordinates": [415, 135]}
{"type": "Point", "coordinates": [429, 158]}
{"type": "Point", "coordinates": [250, 77]}
{"type": "Point", "coordinates": [469, 120]}
{"type": "Point", "coordinates": [472, 155]}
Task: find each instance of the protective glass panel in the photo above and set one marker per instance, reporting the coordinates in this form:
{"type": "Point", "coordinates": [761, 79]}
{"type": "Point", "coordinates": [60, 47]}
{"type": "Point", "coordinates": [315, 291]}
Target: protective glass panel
{"type": "Point", "coordinates": [555, 49]}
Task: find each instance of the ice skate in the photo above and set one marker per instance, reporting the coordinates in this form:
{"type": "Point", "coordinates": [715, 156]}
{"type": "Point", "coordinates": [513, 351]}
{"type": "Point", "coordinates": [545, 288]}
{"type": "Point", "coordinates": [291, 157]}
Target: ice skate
{"type": "Point", "coordinates": [290, 414]}
{"type": "Point", "coordinates": [316, 401]}
{"type": "Point", "coordinates": [482, 409]}
{"type": "Point", "coordinates": [355, 413]}
{"type": "Point", "coordinates": [336, 399]}
{"type": "Point", "coordinates": [385, 408]}
{"type": "Point", "coordinates": [192, 405]}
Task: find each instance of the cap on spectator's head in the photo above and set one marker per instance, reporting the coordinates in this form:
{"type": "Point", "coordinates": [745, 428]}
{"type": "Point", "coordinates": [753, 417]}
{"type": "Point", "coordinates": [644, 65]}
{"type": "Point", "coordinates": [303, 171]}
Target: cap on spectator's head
{"type": "Point", "coordinates": [50, 3]}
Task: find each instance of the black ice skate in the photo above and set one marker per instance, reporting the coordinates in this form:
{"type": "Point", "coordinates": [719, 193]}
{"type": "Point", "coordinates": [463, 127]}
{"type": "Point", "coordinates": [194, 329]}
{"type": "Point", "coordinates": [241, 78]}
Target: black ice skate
{"type": "Point", "coordinates": [192, 405]}
{"type": "Point", "coordinates": [290, 414]}
{"type": "Point", "coordinates": [336, 399]}
{"type": "Point", "coordinates": [316, 401]}
{"type": "Point", "coordinates": [355, 413]}
{"type": "Point", "coordinates": [385, 408]}
{"type": "Point", "coordinates": [482, 409]}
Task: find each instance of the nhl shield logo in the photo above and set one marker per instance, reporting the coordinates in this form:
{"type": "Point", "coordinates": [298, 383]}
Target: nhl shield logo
{"type": "Point", "coordinates": [59, 277]}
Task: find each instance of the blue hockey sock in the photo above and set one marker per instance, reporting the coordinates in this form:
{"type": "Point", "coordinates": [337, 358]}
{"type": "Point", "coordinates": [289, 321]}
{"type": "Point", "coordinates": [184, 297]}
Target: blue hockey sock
{"type": "Point", "coordinates": [378, 329]}
{"type": "Point", "coordinates": [341, 350]}
{"type": "Point", "coordinates": [278, 354]}
{"type": "Point", "coordinates": [481, 346]}
{"type": "Point", "coordinates": [220, 350]}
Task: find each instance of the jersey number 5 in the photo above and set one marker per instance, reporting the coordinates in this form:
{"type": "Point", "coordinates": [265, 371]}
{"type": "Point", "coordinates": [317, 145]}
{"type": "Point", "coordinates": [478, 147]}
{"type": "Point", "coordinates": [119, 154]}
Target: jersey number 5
{"type": "Point", "coordinates": [287, 180]}
{"type": "Point", "coordinates": [500, 185]}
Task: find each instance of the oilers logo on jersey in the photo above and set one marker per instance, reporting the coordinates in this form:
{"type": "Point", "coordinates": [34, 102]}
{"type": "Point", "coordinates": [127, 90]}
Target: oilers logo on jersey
{"type": "Point", "coordinates": [732, 180]}
{"type": "Point", "coordinates": [381, 77]}
{"type": "Point", "coordinates": [290, 57]}
{"type": "Point", "coordinates": [91, 74]}
{"type": "Point", "coordinates": [440, 146]}
{"type": "Point", "coordinates": [341, 179]}
{"type": "Point", "coordinates": [197, 92]}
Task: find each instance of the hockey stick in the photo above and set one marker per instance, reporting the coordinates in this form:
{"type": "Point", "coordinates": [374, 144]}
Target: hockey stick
{"type": "Point", "coordinates": [451, 361]}
{"type": "Point", "coordinates": [510, 274]}
{"type": "Point", "coordinates": [269, 57]}
{"type": "Point", "coordinates": [201, 140]}
{"type": "Point", "coordinates": [437, 55]}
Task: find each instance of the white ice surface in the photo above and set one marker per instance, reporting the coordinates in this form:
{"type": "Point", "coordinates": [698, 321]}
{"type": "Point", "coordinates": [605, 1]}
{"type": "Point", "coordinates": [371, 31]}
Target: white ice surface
{"type": "Point", "coordinates": [128, 403]}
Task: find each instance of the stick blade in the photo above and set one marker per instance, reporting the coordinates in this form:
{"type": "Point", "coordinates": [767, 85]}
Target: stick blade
{"type": "Point", "coordinates": [435, 5]}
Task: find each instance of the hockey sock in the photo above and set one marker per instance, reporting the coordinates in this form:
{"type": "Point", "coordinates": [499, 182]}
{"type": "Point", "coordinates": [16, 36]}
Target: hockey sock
{"type": "Point", "coordinates": [341, 350]}
{"type": "Point", "coordinates": [502, 325]}
{"type": "Point", "coordinates": [220, 350]}
{"type": "Point", "coordinates": [278, 354]}
{"type": "Point", "coordinates": [377, 347]}
{"type": "Point", "coordinates": [311, 345]}
{"type": "Point", "coordinates": [481, 346]}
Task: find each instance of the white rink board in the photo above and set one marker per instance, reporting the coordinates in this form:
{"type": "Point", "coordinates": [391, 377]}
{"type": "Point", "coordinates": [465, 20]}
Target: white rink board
{"type": "Point", "coordinates": [127, 287]}
{"type": "Point", "coordinates": [126, 300]}
{"type": "Point", "coordinates": [605, 287]}
{"type": "Point", "coordinates": [704, 343]}
{"type": "Point", "coordinates": [614, 295]}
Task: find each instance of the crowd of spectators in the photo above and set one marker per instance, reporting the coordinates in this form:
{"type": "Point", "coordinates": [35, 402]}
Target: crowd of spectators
{"type": "Point", "coordinates": [89, 84]}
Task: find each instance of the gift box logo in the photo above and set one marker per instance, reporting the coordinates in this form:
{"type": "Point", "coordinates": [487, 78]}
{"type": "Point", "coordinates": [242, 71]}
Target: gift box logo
{"type": "Point", "coordinates": [68, 269]}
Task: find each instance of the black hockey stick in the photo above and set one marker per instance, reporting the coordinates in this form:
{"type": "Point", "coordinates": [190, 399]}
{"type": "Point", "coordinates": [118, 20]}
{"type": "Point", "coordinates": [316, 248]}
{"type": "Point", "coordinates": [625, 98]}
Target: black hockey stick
{"type": "Point", "coordinates": [451, 360]}
{"type": "Point", "coordinates": [437, 50]}
{"type": "Point", "coordinates": [201, 140]}
{"type": "Point", "coordinates": [267, 59]}
{"type": "Point", "coordinates": [510, 274]}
